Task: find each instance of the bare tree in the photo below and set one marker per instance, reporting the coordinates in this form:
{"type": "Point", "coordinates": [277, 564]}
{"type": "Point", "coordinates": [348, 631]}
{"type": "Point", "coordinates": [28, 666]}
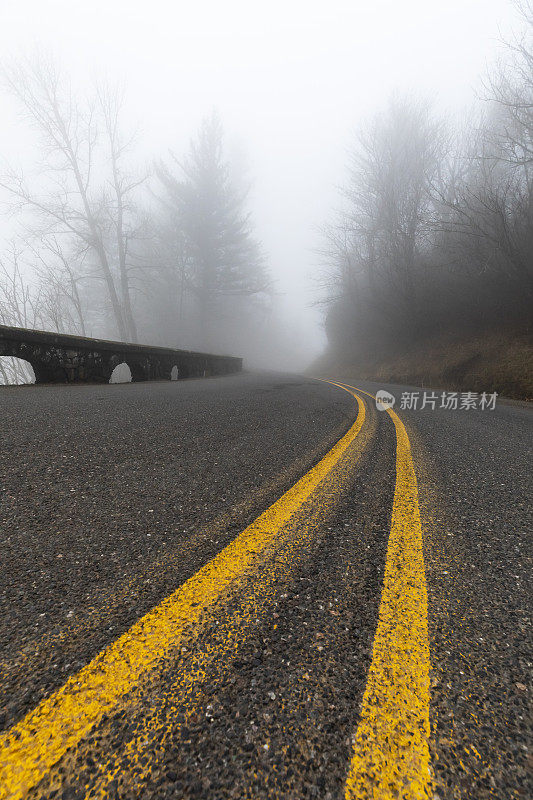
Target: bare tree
{"type": "Point", "coordinates": [20, 306]}
{"type": "Point", "coordinates": [84, 193]}
{"type": "Point", "coordinates": [510, 88]}
{"type": "Point", "coordinates": [487, 208]}
{"type": "Point", "coordinates": [436, 234]}
{"type": "Point", "coordinates": [120, 207]}
{"type": "Point", "coordinates": [62, 276]}
{"type": "Point", "coordinates": [375, 251]}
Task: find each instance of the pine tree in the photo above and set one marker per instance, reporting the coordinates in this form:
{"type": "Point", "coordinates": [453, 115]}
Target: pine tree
{"type": "Point", "coordinates": [209, 206]}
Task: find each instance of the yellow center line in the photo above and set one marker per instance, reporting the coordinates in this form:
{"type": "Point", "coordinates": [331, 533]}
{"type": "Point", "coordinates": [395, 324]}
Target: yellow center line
{"type": "Point", "coordinates": [153, 721]}
{"type": "Point", "coordinates": [40, 739]}
{"type": "Point", "coordinates": [391, 749]}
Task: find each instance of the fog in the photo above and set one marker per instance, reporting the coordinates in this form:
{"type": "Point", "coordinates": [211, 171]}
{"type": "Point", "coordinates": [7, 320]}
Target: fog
{"type": "Point", "coordinates": [290, 82]}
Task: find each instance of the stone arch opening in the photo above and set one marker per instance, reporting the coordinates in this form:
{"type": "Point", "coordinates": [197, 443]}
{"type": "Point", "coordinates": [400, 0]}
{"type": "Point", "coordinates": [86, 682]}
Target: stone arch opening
{"type": "Point", "coordinates": [15, 371]}
{"type": "Point", "coordinates": [174, 373]}
{"type": "Point", "coordinates": [121, 373]}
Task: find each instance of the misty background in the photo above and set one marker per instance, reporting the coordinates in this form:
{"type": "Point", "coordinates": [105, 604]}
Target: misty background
{"type": "Point", "coordinates": [242, 123]}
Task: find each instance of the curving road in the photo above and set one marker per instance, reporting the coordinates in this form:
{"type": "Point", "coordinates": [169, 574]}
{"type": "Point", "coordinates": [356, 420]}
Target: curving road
{"type": "Point", "coordinates": [261, 586]}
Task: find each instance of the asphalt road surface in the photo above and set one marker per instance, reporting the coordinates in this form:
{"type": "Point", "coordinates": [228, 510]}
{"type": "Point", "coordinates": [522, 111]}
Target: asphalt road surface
{"type": "Point", "coordinates": [261, 586]}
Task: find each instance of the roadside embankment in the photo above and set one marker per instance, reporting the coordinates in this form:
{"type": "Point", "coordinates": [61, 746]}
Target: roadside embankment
{"type": "Point", "coordinates": [489, 362]}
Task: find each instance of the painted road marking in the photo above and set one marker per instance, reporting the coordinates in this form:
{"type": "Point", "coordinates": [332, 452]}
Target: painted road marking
{"type": "Point", "coordinates": [34, 745]}
{"type": "Point", "coordinates": [138, 755]}
{"type": "Point", "coordinates": [391, 749]}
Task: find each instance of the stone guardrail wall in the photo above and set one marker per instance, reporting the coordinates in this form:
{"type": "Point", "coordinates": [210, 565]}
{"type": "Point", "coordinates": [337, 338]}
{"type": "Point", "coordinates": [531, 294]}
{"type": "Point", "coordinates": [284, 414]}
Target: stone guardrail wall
{"type": "Point", "coordinates": [59, 358]}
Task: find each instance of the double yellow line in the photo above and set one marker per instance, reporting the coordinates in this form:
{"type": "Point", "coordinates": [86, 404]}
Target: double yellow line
{"type": "Point", "coordinates": [391, 752]}
{"type": "Point", "coordinates": [40, 739]}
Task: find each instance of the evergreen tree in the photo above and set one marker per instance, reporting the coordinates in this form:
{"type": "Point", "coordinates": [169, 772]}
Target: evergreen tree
{"type": "Point", "coordinates": [209, 205]}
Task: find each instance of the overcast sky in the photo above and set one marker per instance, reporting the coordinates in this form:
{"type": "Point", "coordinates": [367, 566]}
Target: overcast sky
{"type": "Point", "coordinates": [291, 79]}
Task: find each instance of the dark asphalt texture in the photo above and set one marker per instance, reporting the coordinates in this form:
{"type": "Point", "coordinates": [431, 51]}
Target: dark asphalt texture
{"type": "Point", "coordinates": [474, 470]}
{"type": "Point", "coordinates": [112, 496]}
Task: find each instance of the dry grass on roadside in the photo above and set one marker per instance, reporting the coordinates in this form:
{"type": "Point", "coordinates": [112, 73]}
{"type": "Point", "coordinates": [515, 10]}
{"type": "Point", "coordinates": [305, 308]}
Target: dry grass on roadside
{"type": "Point", "coordinates": [494, 362]}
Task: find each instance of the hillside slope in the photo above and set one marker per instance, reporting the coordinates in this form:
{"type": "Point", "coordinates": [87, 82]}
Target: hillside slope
{"type": "Point", "coordinates": [494, 362]}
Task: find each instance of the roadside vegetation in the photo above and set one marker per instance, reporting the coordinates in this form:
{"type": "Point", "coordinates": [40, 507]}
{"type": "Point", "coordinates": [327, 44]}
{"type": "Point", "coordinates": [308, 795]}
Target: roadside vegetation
{"type": "Point", "coordinates": [107, 246]}
{"type": "Point", "coordinates": [428, 264]}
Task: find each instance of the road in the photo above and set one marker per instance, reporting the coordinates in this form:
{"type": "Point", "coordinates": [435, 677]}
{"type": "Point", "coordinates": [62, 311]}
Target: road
{"type": "Point", "coordinates": [261, 586]}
